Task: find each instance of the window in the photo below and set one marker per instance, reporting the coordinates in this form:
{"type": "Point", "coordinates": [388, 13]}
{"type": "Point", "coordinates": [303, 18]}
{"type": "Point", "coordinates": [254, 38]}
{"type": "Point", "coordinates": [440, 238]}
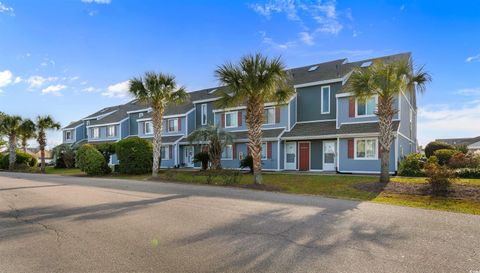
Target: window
{"type": "Point", "coordinates": [68, 135]}
{"type": "Point", "coordinates": [366, 148]}
{"type": "Point", "coordinates": [325, 99]}
{"type": "Point", "coordinates": [264, 150]}
{"type": "Point", "coordinates": [172, 125]}
{"type": "Point", "coordinates": [231, 120]}
{"type": "Point", "coordinates": [269, 115]}
{"type": "Point", "coordinates": [367, 107]}
{"type": "Point", "coordinates": [227, 152]}
{"type": "Point", "coordinates": [95, 133]}
{"type": "Point", "coordinates": [204, 114]}
{"type": "Point", "coordinates": [164, 152]}
{"type": "Point", "coordinates": [148, 127]}
{"type": "Point", "coordinates": [111, 131]}
{"type": "Point", "coordinates": [88, 123]}
{"type": "Point", "coordinates": [140, 115]}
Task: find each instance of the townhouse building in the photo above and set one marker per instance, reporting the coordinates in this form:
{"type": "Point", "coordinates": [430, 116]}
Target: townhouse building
{"type": "Point", "coordinates": [322, 127]}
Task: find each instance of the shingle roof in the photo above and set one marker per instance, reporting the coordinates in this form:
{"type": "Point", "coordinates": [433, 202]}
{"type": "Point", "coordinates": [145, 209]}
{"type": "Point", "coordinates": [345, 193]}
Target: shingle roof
{"type": "Point", "coordinates": [267, 134]}
{"type": "Point", "coordinates": [167, 139]}
{"type": "Point", "coordinates": [328, 128]}
{"type": "Point", "coordinates": [73, 124]}
{"type": "Point", "coordinates": [119, 114]}
{"type": "Point", "coordinates": [460, 141]}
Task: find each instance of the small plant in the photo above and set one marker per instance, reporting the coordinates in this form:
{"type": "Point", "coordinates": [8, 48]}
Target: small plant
{"type": "Point", "coordinates": [64, 156]}
{"type": "Point", "coordinates": [247, 162]}
{"type": "Point", "coordinates": [436, 145]}
{"type": "Point", "coordinates": [91, 161]}
{"type": "Point", "coordinates": [203, 158]}
{"type": "Point", "coordinates": [444, 155]}
{"type": "Point", "coordinates": [412, 165]}
{"type": "Point", "coordinates": [134, 155]}
{"type": "Point", "coordinates": [468, 173]}
{"type": "Point", "coordinates": [439, 177]}
{"type": "Point", "coordinates": [231, 177]}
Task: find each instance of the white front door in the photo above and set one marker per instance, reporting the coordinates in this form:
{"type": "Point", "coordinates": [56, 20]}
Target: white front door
{"type": "Point", "coordinates": [329, 155]}
{"type": "Point", "coordinates": [188, 156]}
{"type": "Point", "coordinates": [290, 155]}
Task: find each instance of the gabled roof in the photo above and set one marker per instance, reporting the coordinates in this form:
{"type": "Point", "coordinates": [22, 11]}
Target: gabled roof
{"type": "Point", "coordinates": [120, 113]}
{"type": "Point", "coordinates": [73, 125]}
{"type": "Point", "coordinates": [460, 141]}
{"type": "Point", "coordinates": [267, 134]}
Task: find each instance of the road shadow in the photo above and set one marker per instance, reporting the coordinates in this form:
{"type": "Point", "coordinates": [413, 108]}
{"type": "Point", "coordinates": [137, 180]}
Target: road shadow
{"type": "Point", "coordinates": [30, 187]}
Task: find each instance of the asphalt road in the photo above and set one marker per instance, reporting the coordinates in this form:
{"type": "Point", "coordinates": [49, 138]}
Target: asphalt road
{"type": "Point", "coordinates": [68, 224]}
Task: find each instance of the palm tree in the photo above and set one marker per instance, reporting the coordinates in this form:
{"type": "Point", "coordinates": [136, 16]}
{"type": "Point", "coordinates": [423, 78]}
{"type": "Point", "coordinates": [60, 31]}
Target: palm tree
{"type": "Point", "coordinates": [255, 80]}
{"type": "Point", "coordinates": [216, 138]}
{"type": "Point", "coordinates": [387, 80]}
{"type": "Point", "coordinates": [10, 126]}
{"type": "Point", "coordinates": [26, 132]}
{"type": "Point", "coordinates": [157, 90]}
{"type": "Point", "coordinates": [44, 123]}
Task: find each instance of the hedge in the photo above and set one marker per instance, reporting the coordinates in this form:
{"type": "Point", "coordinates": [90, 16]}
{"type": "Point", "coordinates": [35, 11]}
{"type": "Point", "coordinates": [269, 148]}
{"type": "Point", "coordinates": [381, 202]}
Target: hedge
{"type": "Point", "coordinates": [91, 161]}
{"type": "Point", "coordinates": [135, 155]}
{"type": "Point", "coordinates": [436, 145]}
{"type": "Point", "coordinates": [23, 160]}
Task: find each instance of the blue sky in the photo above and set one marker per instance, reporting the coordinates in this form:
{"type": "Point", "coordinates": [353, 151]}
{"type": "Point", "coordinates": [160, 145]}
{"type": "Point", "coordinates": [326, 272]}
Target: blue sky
{"type": "Point", "coordinates": [70, 58]}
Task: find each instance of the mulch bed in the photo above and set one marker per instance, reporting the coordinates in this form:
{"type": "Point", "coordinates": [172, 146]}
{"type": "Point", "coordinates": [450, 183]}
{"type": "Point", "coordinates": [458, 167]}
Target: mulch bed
{"type": "Point", "coordinates": [455, 191]}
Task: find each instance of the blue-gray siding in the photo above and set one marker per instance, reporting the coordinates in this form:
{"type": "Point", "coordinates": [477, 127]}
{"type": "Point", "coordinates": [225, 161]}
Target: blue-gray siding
{"type": "Point", "coordinates": [309, 101]}
{"type": "Point", "coordinates": [351, 165]}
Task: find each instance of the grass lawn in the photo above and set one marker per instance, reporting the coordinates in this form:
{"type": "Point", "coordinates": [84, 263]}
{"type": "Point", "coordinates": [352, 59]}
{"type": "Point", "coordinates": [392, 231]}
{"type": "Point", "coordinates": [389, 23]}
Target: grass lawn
{"type": "Point", "coordinates": [335, 186]}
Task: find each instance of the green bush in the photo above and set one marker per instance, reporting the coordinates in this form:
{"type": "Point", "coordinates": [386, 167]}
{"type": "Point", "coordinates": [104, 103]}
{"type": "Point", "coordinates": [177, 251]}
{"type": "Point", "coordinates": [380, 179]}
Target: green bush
{"type": "Point", "coordinates": [91, 161]}
{"type": "Point", "coordinates": [444, 155]}
{"type": "Point", "coordinates": [203, 158]}
{"type": "Point", "coordinates": [412, 165]}
{"type": "Point", "coordinates": [468, 173]}
{"type": "Point", "coordinates": [22, 161]}
{"type": "Point", "coordinates": [462, 148]}
{"type": "Point", "coordinates": [106, 149]}
{"type": "Point", "coordinates": [436, 145]}
{"type": "Point", "coordinates": [135, 155]}
{"type": "Point", "coordinates": [439, 177]}
{"type": "Point", "coordinates": [247, 162]}
{"type": "Point", "coordinates": [64, 156]}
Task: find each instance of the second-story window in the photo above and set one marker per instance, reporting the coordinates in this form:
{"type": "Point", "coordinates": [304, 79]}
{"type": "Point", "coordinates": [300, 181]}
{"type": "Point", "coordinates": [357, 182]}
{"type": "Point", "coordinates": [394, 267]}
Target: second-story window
{"type": "Point", "coordinates": [204, 114]}
{"type": "Point", "coordinates": [325, 100]}
{"type": "Point", "coordinates": [95, 132]}
{"type": "Point", "coordinates": [366, 107]}
{"type": "Point", "coordinates": [68, 135]}
{"type": "Point", "coordinates": [172, 125]}
{"type": "Point", "coordinates": [111, 131]}
{"type": "Point", "coordinates": [231, 120]}
{"type": "Point", "coordinates": [148, 127]}
{"type": "Point", "coordinates": [269, 115]}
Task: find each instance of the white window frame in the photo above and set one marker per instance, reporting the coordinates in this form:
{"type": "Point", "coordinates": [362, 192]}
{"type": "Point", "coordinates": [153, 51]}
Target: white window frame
{"type": "Point", "coordinates": [274, 115]}
{"type": "Point", "coordinates": [266, 151]}
{"type": "Point", "coordinates": [375, 156]}
{"type": "Point", "coordinates": [145, 127]}
{"type": "Point", "coordinates": [67, 133]}
{"type": "Point", "coordinates": [204, 113]}
{"type": "Point", "coordinates": [175, 125]}
{"type": "Point", "coordinates": [108, 131]}
{"type": "Point", "coordinates": [140, 115]}
{"type": "Point", "coordinates": [322, 90]}
{"type": "Point", "coordinates": [366, 115]}
{"type": "Point", "coordinates": [166, 152]}
{"type": "Point", "coordinates": [235, 118]}
{"type": "Point", "coordinates": [231, 147]}
{"type": "Point", "coordinates": [95, 129]}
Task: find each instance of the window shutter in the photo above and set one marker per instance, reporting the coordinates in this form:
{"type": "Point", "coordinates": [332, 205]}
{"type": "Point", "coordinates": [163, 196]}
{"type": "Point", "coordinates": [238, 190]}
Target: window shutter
{"type": "Point", "coordinates": [234, 150]}
{"type": "Point", "coordinates": [114, 130]}
{"type": "Point", "coordinates": [269, 150]}
{"type": "Point", "coordinates": [350, 148]}
{"type": "Point", "coordinates": [170, 152]}
{"type": "Point", "coordinates": [277, 114]}
{"type": "Point", "coordinates": [222, 120]}
{"type": "Point", "coordinates": [351, 107]}
{"type": "Point", "coordinates": [239, 118]}
{"type": "Point", "coordinates": [179, 124]}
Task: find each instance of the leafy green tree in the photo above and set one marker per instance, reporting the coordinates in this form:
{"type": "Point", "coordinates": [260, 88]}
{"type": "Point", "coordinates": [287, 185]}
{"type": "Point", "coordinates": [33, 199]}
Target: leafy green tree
{"type": "Point", "coordinates": [44, 123]}
{"type": "Point", "coordinates": [216, 138]}
{"type": "Point", "coordinates": [254, 80]}
{"type": "Point", "coordinates": [10, 126]}
{"type": "Point", "coordinates": [157, 90]}
{"type": "Point", "coordinates": [387, 80]}
{"type": "Point", "coordinates": [26, 132]}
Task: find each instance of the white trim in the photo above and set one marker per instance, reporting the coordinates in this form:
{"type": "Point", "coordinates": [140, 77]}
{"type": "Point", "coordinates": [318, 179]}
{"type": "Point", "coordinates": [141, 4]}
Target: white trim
{"type": "Point", "coordinates": [285, 155]}
{"type": "Point", "coordinates": [366, 121]}
{"type": "Point", "coordinates": [274, 115]}
{"type": "Point", "coordinates": [343, 95]}
{"type": "Point", "coordinates": [72, 128]}
{"type": "Point", "coordinates": [230, 109]}
{"type": "Point", "coordinates": [338, 154]}
{"type": "Point", "coordinates": [235, 114]}
{"type": "Point", "coordinates": [205, 100]}
{"type": "Point", "coordinates": [366, 115]}
{"type": "Point", "coordinates": [99, 117]}
{"type": "Point", "coordinates": [106, 124]}
{"type": "Point", "coordinates": [404, 136]}
{"type": "Point", "coordinates": [226, 158]}
{"type": "Point", "coordinates": [149, 109]}
{"type": "Point", "coordinates": [396, 153]}
{"type": "Point", "coordinates": [408, 101]}
{"type": "Point", "coordinates": [323, 154]}
{"type": "Point", "coordinates": [331, 136]}
{"type": "Point", "coordinates": [365, 139]}
{"type": "Point", "coordinates": [114, 131]}
{"type": "Point", "coordinates": [176, 129]}
{"type": "Point", "coordinates": [278, 154]}
{"type": "Point", "coordinates": [318, 83]}
{"type": "Point", "coordinates": [72, 137]}
{"type": "Point", "coordinates": [321, 94]}
{"type": "Point", "coordinates": [336, 114]}
{"type": "Point", "coordinates": [363, 172]}
{"type": "Point", "coordinates": [201, 114]}
{"type": "Point", "coordinates": [313, 121]}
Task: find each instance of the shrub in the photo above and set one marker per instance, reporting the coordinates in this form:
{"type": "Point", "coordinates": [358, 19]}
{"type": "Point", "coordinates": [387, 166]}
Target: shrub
{"type": "Point", "coordinates": [436, 145]}
{"type": "Point", "coordinates": [468, 173]}
{"type": "Point", "coordinates": [106, 149]}
{"type": "Point", "coordinates": [65, 156]}
{"type": "Point", "coordinates": [91, 161]}
{"type": "Point", "coordinates": [439, 177]}
{"type": "Point", "coordinates": [135, 155]}
{"type": "Point", "coordinates": [462, 148]}
{"type": "Point", "coordinates": [247, 162]}
{"type": "Point", "coordinates": [22, 161]}
{"type": "Point", "coordinates": [444, 155]}
{"type": "Point", "coordinates": [203, 158]}
{"type": "Point", "coordinates": [458, 160]}
{"type": "Point", "coordinates": [412, 165]}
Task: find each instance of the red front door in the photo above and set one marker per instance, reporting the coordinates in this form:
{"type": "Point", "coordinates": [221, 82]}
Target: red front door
{"type": "Point", "coordinates": [304, 161]}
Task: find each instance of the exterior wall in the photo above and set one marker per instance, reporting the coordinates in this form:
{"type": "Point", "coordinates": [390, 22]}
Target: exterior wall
{"type": "Point", "coordinates": [183, 130]}
{"type": "Point", "coordinates": [405, 147]}
{"type": "Point", "coordinates": [351, 165]}
{"type": "Point", "coordinates": [309, 101]}
{"type": "Point", "coordinates": [170, 163]}
{"type": "Point", "coordinates": [270, 164]}
{"type": "Point", "coordinates": [282, 155]}
{"type": "Point", "coordinates": [198, 114]}
{"type": "Point", "coordinates": [316, 154]}
{"type": "Point", "coordinates": [406, 128]}
{"type": "Point", "coordinates": [103, 134]}
{"type": "Point", "coordinates": [133, 123]}
{"type": "Point", "coordinates": [343, 111]}
{"type": "Point", "coordinates": [125, 129]}
{"type": "Point", "coordinates": [190, 122]}
{"type": "Point", "coordinates": [293, 111]}
{"type": "Point", "coordinates": [282, 124]}
{"type": "Point", "coordinates": [80, 133]}
{"type": "Point", "coordinates": [64, 133]}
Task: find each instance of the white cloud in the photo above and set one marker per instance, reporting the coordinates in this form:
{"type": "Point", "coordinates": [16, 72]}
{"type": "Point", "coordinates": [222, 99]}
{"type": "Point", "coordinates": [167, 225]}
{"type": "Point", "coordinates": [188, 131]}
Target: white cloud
{"type": "Point", "coordinates": [38, 81]}
{"type": "Point", "coordinates": [90, 89]}
{"type": "Point", "coordinates": [281, 46]}
{"type": "Point", "coordinates": [54, 89]}
{"type": "Point", "coordinates": [469, 92]}
{"type": "Point", "coordinates": [17, 80]}
{"type": "Point", "coordinates": [473, 58]}
{"type": "Point", "coordinates": [97, 1]}
{"type": "Point", "coordinates": [5, 78]}
{"type": "Point", "coordinates": [6, 9]}
{"type": "Point", "coordinates": [118, 90]}
{"type": "Point", "coordinates": [306, 38]}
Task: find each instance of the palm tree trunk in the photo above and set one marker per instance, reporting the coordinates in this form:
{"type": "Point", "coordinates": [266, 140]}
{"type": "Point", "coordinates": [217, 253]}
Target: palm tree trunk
{"type": "Point", "coordinates": [254, 123]}
{"type": "Point", "coordinates": [385, 115]}
{"type": "Point", "coordinates": [42, 158]}
{"type": "Point", "coordinates": [12, 157]}
{"type": "Point", "coordinates": [157, 138]}
{"type": "Point", "coordinates": [24, 145]}
{"type": "Point", "coordinates": [215, 153]}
